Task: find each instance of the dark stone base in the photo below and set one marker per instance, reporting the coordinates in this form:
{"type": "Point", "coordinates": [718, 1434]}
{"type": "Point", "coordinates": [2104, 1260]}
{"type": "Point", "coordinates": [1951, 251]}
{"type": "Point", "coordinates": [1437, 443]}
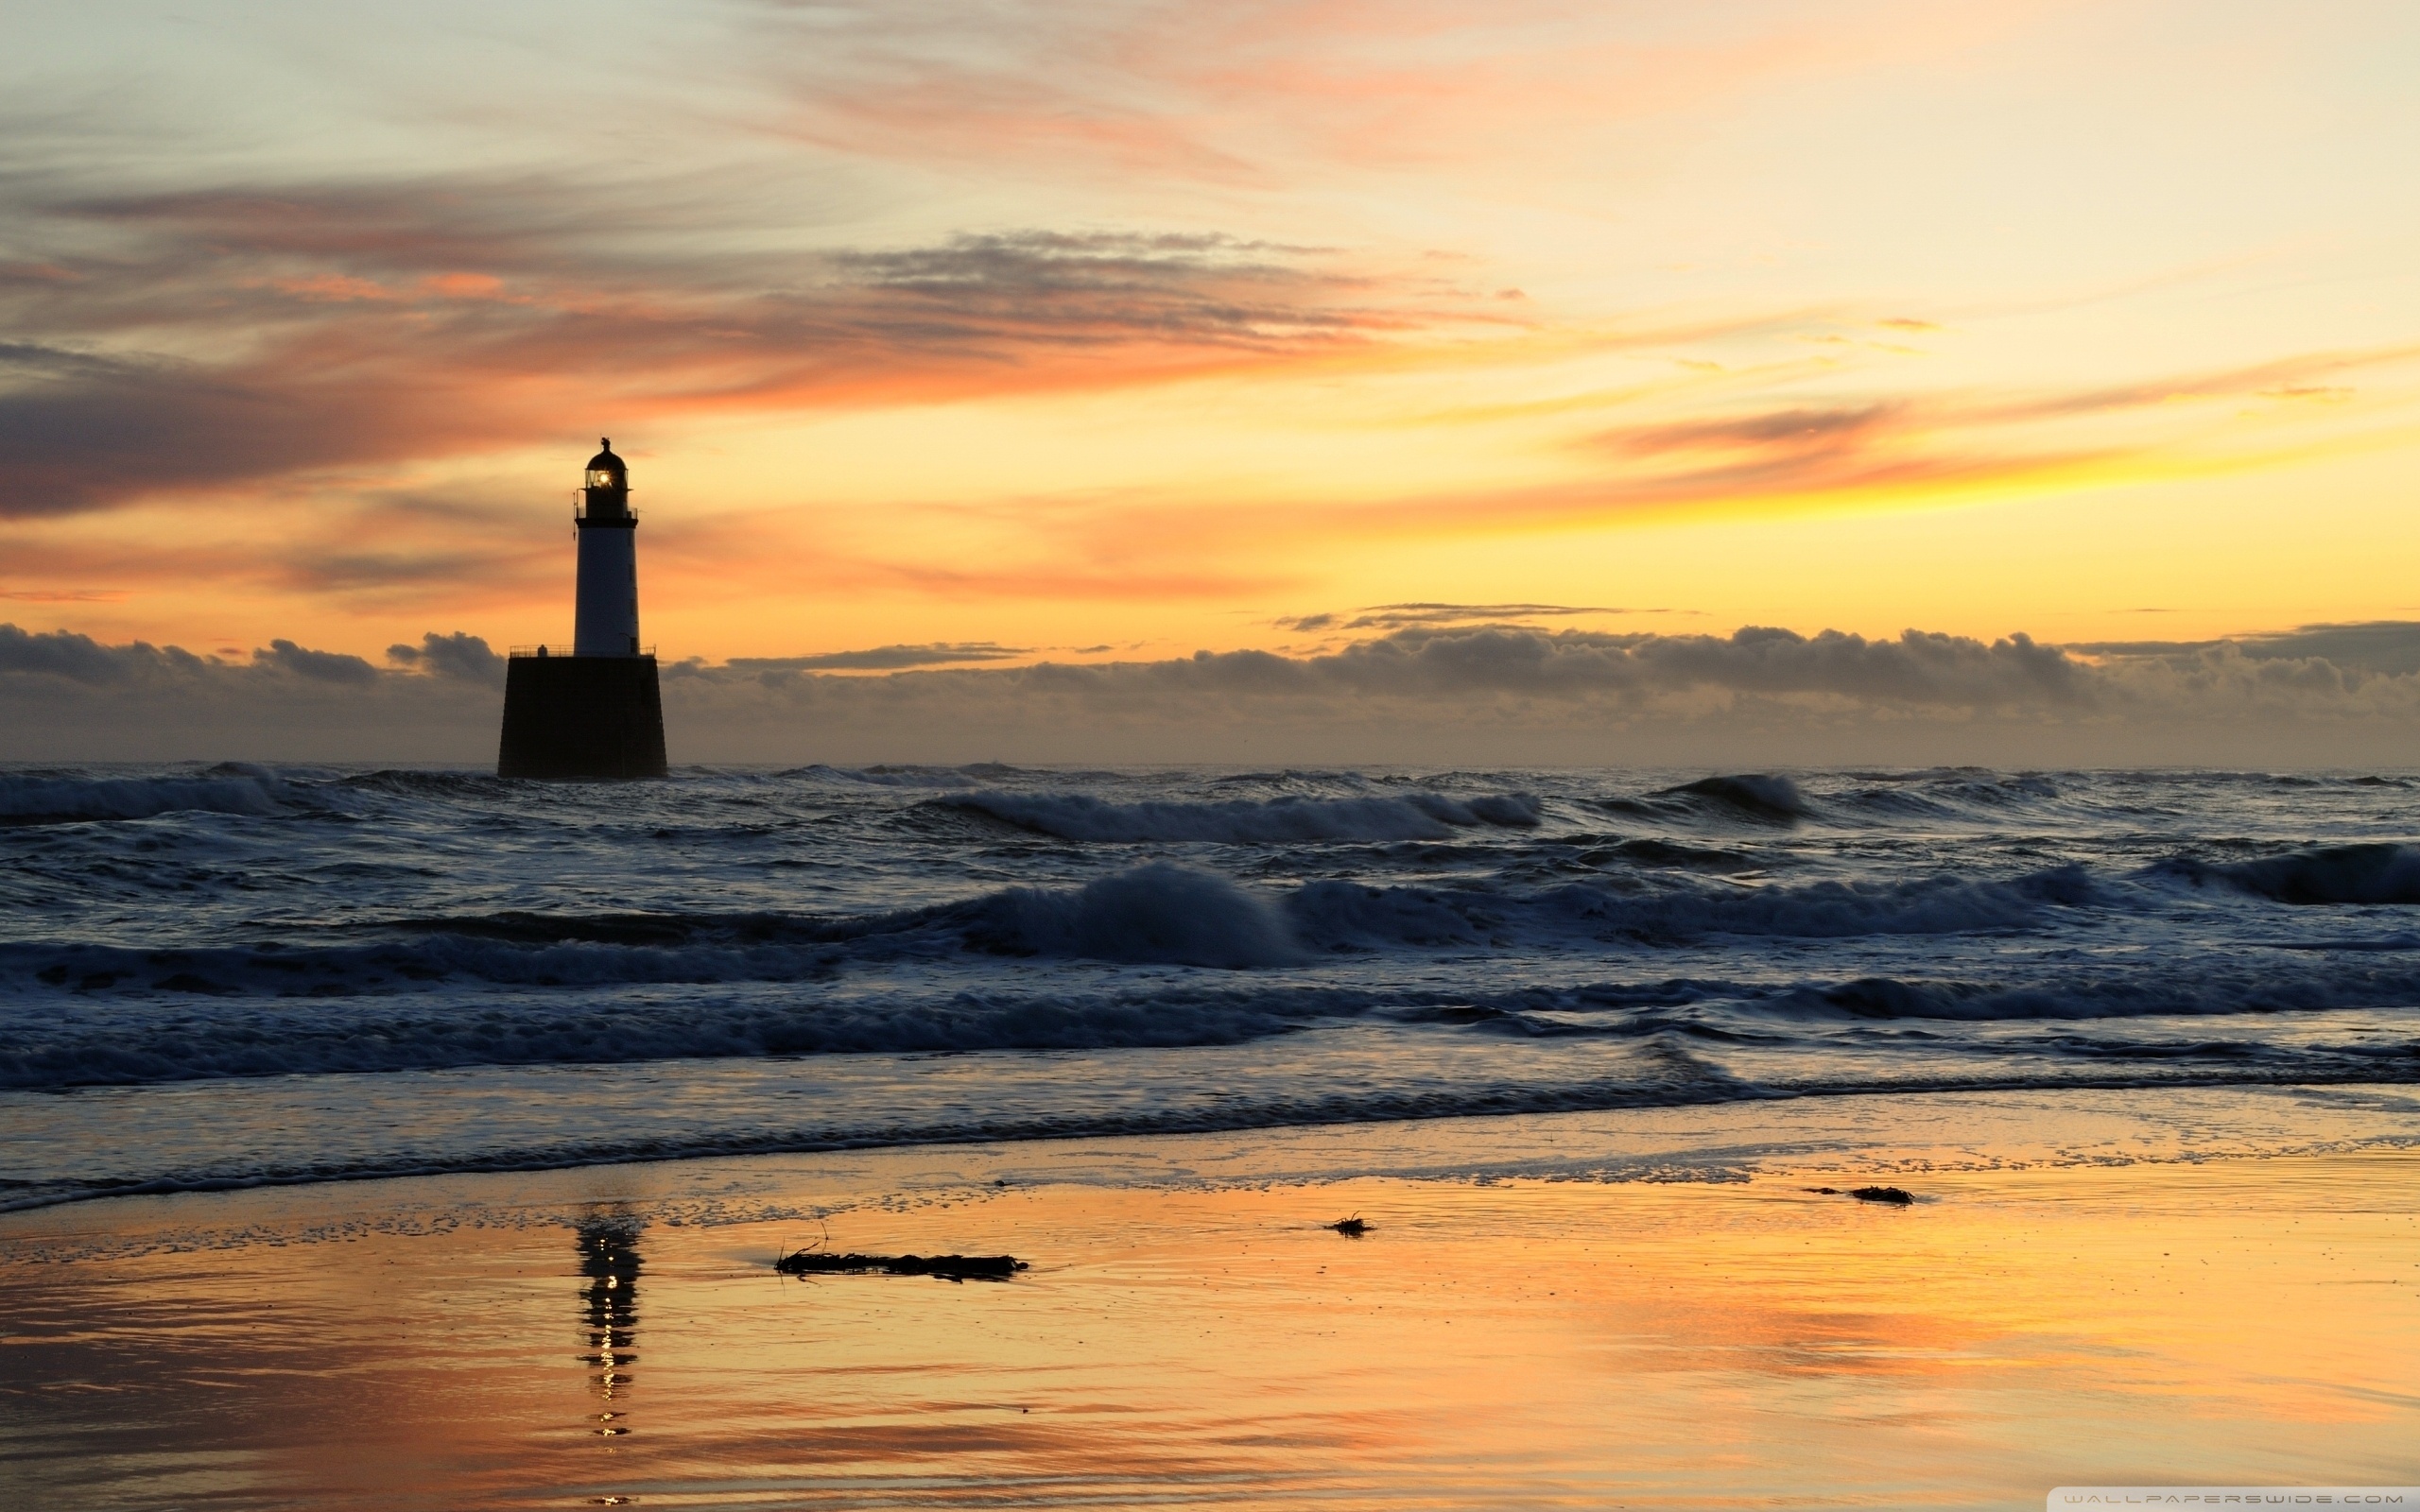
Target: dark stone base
{"type": "Point", "coordinates": [581, 718]}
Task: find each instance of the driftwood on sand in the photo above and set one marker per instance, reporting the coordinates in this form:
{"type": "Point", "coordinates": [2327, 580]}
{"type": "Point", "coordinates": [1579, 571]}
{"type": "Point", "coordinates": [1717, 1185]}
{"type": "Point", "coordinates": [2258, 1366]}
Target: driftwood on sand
{"type": "Point", "coordinates": [944, 1267]}
{"type": "Point", "coordinates": [1352, 1227]}
{"type": "Point", "coordinates": [1896, 1196]}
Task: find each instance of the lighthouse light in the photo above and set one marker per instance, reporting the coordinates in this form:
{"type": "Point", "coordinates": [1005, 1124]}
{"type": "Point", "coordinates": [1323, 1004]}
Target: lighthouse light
{"type": "Point", "coordinates": [599, 479]}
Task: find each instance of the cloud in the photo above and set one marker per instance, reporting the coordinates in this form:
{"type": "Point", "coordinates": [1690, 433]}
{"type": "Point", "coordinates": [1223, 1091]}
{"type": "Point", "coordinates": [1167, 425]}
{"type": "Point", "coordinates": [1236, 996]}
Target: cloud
{"type": "Point", "coordinates": [235, 336]}
{"type": "Point", "coordinates": [1813, 450]}
{"type": "Point", "coordinates": [318, 666]}
{"type": "Point", "coordinates": [1792, 430]}
{"type": "Point", "coordinates": [1939, 443]}
{"type": "Point", "coordinates": [1510, 695]}
{"type": "Point", "coordinates": [80, 658]}
{"type": "Point", "coordinates": [1486, 664]}
{"type": "Point", "coordinates": [65, 695]}
{"type": "Point", "coordinates": [1403, 616]}
{"type": "Point", "coordinates": [1399, 616]}
{"type": "Point", "coordinates": [77, 431]}
{"type": "Point", "coordinates": [1087, 289]}
{"type": "Point", "coordinates": [1260, 96]}
{"type": "Point", "coordinates": [33, 657]}
{"type": "Point", "coordinates": [458, 655]}
{"type": "Point", "coordinates": [1500, 693]}
{"type": "Point", "coordinates": [2388, 647]}
{"type": "Point", "coordinates": [66, 595]}
{"type": "Point", "coordinates": [880, 658]}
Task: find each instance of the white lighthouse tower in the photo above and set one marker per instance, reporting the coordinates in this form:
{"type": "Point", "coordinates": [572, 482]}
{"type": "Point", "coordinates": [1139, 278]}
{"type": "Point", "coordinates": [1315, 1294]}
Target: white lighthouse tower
{"type": "Point", "coordinates": [605, 618]}
{"type": "Point", "coordinates": [596, 713]}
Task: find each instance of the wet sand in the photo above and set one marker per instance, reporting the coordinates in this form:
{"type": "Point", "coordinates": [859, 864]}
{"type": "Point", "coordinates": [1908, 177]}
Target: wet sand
{"type": "Point", "coordinates": [618, 1336]}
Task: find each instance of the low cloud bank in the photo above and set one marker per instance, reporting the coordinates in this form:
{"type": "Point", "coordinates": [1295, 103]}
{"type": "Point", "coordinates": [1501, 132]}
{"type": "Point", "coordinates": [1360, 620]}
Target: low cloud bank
{"type": "Point", "coordinates": [2323, 696]}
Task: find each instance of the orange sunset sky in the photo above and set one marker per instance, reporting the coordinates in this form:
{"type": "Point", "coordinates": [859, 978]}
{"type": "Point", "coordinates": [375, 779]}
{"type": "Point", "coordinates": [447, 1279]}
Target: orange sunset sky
{"type": "Point", "coordinates": [1118, 331]}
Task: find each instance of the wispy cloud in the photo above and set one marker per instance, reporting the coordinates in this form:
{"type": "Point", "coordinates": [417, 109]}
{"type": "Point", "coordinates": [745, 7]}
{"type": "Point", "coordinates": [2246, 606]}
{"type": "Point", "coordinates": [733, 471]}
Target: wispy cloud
{"type": "Point", "coordinates": [881, 657]}
{"type": "Point", "coordinates": [64, 595]}
{"type": "Point", "coordinates": [1256, 96]}
{"type": "Point", "coordinates": [1399, 616]}
{"type": "Point", "coordinates": [250, 334]}
{"type": "Point", "coordinates": [1944, 442]}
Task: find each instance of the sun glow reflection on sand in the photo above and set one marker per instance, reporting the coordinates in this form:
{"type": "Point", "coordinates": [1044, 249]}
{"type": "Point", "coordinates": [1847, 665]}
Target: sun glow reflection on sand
{"type": "Point", "coordinates": [1486, 1345]}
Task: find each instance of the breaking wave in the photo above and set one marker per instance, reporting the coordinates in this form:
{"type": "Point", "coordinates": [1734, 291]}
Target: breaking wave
{"type": "Point", "coordinates": [1155, 913]}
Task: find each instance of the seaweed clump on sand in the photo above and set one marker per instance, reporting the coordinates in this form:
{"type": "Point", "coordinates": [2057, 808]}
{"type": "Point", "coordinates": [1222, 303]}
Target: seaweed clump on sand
{"type": "Point", "coordinates": [1896, 1196]}
{"type": "Point", "coordinates": [1352, 1227]}
{"type": "Point", "coordinates": [941, 1267]}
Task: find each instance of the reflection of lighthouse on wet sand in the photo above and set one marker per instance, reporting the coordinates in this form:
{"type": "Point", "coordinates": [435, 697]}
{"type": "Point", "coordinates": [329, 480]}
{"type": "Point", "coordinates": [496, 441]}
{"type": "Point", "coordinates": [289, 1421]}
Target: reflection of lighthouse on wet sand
{"type": "Point", "coordinates": [609, 1270]}
{"type": "Point", "coordinates": [597, 712]}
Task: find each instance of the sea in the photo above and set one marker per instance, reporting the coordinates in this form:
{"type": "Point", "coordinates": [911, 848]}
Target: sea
{"type": "Point", "coordinates": [226, 976]}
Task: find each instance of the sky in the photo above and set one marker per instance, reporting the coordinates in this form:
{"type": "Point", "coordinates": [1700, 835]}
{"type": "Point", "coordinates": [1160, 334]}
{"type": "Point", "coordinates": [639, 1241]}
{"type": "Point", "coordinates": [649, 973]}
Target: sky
{"type": "Point", "coordinates": [1006, 341]}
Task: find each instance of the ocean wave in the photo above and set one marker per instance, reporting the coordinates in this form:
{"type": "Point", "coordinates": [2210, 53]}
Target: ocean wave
{"type": "Point", "coordinates": [1648, 851]}
{"type": "Point", "coordinates": [1762, 797]}
{"type": "Point", "coordinates": [1412, 815]}
{"type": "Point", "coordinates": [408, 783]}
{"type": "Point", "coordinates": [2375, 873]}
{"type": "Point", "coordinates": [1966, 786]}
{"type": "Point", "coordinates": [100, 1038]}
{"type": "Point", "coordinates": [2168, 991]}
{"type": "Point", "coordinates": [1155, 914]}
{"type": "Point", "coordinates": [1749, 796]}
{"type": "Point", "coordinates": [1982, 789]}
{"type": "Point", "coordinates": [908, 777]}
{"type": "Point", "coordinates": [385, 967]}
{"type": "Point", "coordinates": [33, 798]}
{"type": "Point", "coordinates": [325, 1039]}
{"type": "Point", "coordinates": [104, 1039]}
{"type": "Point", "coordinates": [1067, 952]}
{"type": "Point", "coordinates": [1347, 915]}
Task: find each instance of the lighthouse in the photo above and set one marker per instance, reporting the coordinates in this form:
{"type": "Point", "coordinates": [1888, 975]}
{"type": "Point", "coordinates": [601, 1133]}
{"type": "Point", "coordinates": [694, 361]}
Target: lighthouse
{"type": "Point", "coordinates": [606, 610]}
{"type": "Point", "coordinates": [591, 710]}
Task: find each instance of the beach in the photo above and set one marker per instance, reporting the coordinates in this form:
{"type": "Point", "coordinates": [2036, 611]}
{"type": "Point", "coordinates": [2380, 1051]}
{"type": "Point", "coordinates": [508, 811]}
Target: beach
{"type": "Point", "coordinates": [1190, 1333]}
